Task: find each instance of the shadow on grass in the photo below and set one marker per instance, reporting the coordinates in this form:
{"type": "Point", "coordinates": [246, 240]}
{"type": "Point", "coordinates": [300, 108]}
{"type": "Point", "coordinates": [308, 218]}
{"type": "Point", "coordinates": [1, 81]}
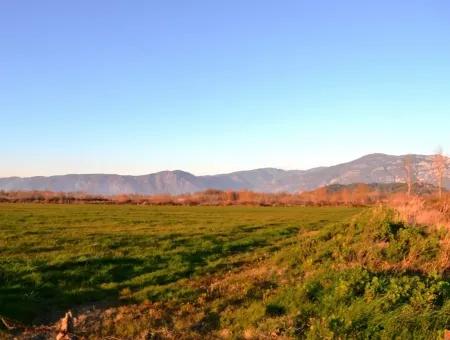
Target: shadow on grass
{"type": "Point", "coordinates": [210, 322]}
{"type": "Point", "coordinates": [33, 295]}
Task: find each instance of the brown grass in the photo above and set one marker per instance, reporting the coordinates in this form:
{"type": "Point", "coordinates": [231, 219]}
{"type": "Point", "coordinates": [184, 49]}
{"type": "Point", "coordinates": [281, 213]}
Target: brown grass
{"type": "Point", "coordinates": [422, 210]}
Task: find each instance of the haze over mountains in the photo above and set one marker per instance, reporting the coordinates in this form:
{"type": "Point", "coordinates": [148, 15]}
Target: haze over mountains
{"type": "Point", "coordinates": [373, 168]}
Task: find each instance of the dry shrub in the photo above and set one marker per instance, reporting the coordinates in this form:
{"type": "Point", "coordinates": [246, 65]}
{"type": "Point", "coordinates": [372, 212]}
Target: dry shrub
{"type": "Point", "coordinates": [423, 210]}
{"type": "Point", "coordinates": [410, 207]}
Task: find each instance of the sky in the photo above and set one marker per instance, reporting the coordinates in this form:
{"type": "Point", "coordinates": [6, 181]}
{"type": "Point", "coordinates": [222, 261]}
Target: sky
{"type": "Point", "coordinates": [135, 87]}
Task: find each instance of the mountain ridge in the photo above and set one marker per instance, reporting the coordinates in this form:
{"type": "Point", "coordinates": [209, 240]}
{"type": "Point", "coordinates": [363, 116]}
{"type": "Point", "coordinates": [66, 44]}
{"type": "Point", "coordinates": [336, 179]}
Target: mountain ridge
{"type": "Point", "coordinates": [371, 168]}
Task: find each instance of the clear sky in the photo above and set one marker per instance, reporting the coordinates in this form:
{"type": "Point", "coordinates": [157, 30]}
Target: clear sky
{"type": "Point", "coordinates": [134, 87]}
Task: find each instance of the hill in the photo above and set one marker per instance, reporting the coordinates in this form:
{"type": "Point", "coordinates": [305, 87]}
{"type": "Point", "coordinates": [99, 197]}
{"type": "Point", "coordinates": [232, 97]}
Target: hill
{"type": "Point", "coordinates": [373, 168]}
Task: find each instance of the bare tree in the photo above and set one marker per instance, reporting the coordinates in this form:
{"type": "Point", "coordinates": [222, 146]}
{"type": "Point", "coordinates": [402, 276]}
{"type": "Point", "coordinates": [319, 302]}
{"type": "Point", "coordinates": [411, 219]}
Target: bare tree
{"type": "Point", "coordinates": [440, 168]}
{"type": "Point", "coordinates": [410, 175]}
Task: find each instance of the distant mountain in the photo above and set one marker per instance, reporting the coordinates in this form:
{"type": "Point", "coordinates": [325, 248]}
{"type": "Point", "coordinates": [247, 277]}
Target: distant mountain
{"type": "Point", "coordinates": [373, 168]}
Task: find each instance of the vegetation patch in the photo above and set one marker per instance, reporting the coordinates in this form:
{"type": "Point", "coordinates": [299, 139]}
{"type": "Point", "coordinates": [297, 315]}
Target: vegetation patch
{"type": "Point", "coordinates": [230, 272]}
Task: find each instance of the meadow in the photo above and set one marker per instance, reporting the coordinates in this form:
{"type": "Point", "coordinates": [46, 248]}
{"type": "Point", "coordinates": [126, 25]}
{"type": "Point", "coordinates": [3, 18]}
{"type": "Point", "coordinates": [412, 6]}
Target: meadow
{"type": "Point", "coordinates": [132, 271]}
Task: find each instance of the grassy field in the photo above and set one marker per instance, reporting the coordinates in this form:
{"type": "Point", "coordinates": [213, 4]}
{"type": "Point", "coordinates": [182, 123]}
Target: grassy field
{"type": "Point", "coordinates": [228, 272]}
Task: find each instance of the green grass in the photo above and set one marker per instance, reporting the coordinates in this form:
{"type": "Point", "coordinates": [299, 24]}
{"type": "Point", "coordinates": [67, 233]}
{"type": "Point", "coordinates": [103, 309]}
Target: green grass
{"type": "Point", "coordinates": [55, 256]}
{"type": "Point", "coordinates": [293, 271]}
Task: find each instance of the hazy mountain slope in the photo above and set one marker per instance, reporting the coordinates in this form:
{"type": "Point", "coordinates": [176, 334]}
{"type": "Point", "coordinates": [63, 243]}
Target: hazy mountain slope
{"type": "Point", "coordinates": [374, 168]}
{"type": "Point", "coordinates": [265, 180]}
{"type": "Point", "coordinates": [174, 182]}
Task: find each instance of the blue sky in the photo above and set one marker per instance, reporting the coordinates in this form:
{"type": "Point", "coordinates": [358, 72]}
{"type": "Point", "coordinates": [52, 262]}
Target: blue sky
{"type": "Point", "coordinates": [134, 87]}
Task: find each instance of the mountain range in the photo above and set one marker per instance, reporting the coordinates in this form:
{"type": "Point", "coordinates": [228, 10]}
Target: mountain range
{"type": "Point", "coordinates": [373, 168]}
